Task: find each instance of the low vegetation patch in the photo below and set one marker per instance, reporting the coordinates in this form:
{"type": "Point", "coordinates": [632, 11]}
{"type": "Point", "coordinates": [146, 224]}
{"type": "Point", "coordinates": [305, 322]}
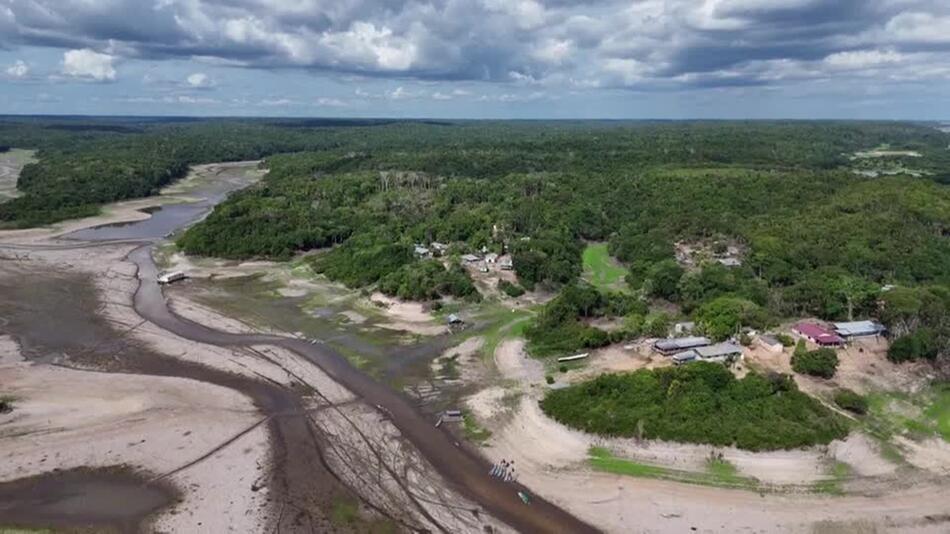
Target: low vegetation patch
{"type": "Point", "coordinates": [921, 415]}
{"type": "Point", "coordinates": [512, 290]}
{"type": "Point", "coordinates": [697, 403]}
{"type": "Point", "coordinates": [851, 401]}
{"type": "Point", "coordinates": [822, 362]}
{"type": "Point", "coordinates": [719, 472]}
{"type": "Point", "coordinates": [600, 269]}
{"type": "Point", "coordinates": [473, 431]}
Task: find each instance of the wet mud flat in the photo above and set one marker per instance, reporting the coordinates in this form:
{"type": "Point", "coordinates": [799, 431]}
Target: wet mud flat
{"type": "Point", "coordinates": [53, 316]}
{"type": "Point", "coordinates": [382, 353]}
{"type": "Point", "coordinates": [88, 500]}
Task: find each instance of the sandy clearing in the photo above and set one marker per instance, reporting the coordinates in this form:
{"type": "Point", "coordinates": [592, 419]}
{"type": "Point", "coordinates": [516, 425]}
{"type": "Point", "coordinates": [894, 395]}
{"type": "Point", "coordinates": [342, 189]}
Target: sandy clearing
{"type": "Point", "coordinates": [862, 455]}
{"type": "Point", "coordinates": [487, 403]}
{"type": "Point", "coordinates": [406, 316]}
{"type": "Point", "coordinates": [932, 454]}
{"type": "Point", "coordinates": [514, 364]}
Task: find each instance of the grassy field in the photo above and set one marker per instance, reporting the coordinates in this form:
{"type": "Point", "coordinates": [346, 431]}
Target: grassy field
{"type": "Point", "coordinates": [920, 415]}
{"type": "Point", "coordinates": [939, 410]}
{"type": "Point", "coordinates": [503, 323]}
{"type": "Point", "coordinates": [718, 472]}
{"type": "Point", "coordinates": [601, 270]}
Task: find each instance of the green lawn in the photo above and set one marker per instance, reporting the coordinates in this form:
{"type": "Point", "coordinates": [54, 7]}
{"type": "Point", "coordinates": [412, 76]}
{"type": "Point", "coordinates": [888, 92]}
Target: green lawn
{"type": "Point", "coordinates": [600, 269]}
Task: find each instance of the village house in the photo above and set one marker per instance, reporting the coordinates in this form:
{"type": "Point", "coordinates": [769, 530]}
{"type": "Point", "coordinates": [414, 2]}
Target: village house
{"type": "Point", "coordinates": [818, 335]}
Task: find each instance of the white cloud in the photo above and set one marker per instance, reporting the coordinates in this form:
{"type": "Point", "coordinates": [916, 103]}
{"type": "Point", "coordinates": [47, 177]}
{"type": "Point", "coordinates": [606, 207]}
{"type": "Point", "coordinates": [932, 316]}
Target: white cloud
{"type": "Point", "coordinates": [331, 102]}
{"type": "Point", "coordinates": [861, 59]}
{"type": "Point", "coordinates": [19, 70]}
{"type": "Point", "coordinates": [919, 27]}
{"type": "Point", "coordinates": [89, 65]}
{"type": "Point", "coordinates": [199, 80]}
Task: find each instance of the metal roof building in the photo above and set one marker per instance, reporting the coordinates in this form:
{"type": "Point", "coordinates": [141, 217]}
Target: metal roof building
{"type": "Point", "coordinates": [859, 329]}
{"type": "Point", "coordinates": [719, 351]}
{"type": "Point", "coordinates": [669, 346]}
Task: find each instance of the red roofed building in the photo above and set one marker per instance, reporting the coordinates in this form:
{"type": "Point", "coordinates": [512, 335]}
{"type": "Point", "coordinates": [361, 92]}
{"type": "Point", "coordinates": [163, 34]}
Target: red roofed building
{"type": "Point", "coordinates": [818, 334]}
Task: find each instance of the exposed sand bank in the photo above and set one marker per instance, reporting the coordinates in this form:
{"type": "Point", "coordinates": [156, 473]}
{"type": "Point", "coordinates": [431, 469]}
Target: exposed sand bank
{"type": "Point", "coordinates": [552, 459]}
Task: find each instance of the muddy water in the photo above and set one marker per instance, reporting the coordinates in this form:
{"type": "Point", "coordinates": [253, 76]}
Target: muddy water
{"type": "Point", "coordinates": [53, 316]}
{"type": "Point", "coordinates": [100, 500]}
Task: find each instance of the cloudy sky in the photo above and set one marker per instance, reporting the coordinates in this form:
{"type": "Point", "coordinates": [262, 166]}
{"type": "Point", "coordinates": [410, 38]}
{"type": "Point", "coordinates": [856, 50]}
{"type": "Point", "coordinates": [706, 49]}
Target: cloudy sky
{"type": "Point", "coordinates": [478, 58]}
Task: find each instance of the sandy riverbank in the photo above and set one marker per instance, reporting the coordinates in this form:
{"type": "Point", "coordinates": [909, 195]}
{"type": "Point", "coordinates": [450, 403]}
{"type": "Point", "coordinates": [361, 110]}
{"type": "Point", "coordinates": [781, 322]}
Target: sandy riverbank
{"type": "Point", "coordinates": [552, 459]}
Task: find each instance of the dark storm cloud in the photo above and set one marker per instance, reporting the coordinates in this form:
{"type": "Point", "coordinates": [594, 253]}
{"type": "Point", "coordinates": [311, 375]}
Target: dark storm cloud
{"type": "Point", "coordinates": [644, 43]}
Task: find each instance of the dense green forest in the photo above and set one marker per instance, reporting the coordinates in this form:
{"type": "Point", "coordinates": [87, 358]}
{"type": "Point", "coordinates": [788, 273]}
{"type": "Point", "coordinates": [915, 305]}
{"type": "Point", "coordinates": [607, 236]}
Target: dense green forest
{"type": "Point", "coordinates": [816, 238]}
{"type": "Point", "coordinates": [699, 403]}
{"type": "Point", "coordinates": [813, 236]}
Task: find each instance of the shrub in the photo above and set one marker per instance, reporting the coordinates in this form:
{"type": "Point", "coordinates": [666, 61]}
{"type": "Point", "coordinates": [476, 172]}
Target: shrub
{"type": "Point", "coordinates": [657, 325]}
{"type": "Point", "coordinates": [822, 362]}
{"type": "Point", "coordinates": [922, 343]}
{"type": "Point", "coordinates": [512, 290]}
{"type": "Point", "coordinates": [549, 379]}
{"type": "Point", "coordinates": [785, 339]}
{"type": "Point", "coordinates": [851, 401]}
{"type": "Point", "coordinates": [562, 368]}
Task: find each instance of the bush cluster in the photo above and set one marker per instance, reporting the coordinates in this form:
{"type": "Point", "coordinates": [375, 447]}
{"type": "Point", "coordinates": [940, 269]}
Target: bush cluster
{"type": "Point", "coordinates": [697, 403]}
{"type": "Point", "coordinates": [851, 401]}
{"type": "Point", "coordinates": [822, 362]}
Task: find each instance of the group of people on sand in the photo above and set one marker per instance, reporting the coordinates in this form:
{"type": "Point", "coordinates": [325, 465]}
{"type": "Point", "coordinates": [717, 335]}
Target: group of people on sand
{"type": "Point", "coordinates": [504, 470]}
